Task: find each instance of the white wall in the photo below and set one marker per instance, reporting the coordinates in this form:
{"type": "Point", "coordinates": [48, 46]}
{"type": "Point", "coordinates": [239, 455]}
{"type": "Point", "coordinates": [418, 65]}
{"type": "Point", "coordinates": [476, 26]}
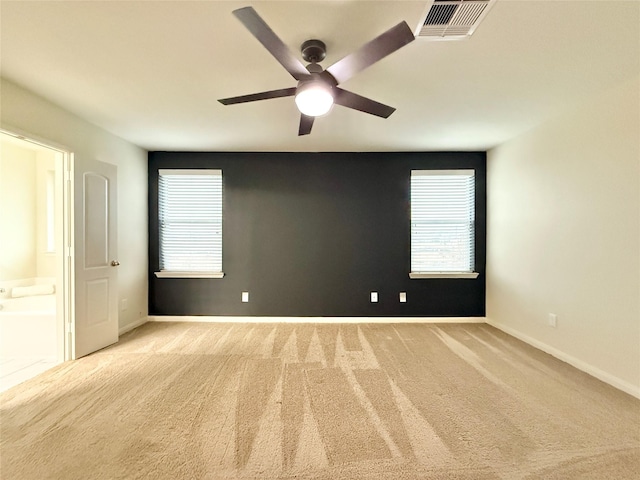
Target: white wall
{"type": "Point", "coordinates": [46, 261]}
{"type": "Point", "coordinates": [17, 212]}
{"type": "Point", "coordinates": [564, 236]}
{"type": "Point", "coordinates": [23, 212]}
{"type": "Point", "coordinates": [40, 118]}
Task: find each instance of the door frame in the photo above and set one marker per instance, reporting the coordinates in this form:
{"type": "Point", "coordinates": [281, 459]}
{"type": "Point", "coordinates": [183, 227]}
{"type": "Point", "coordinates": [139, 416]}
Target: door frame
{"type": "Point", "coordinates": [65, 313]}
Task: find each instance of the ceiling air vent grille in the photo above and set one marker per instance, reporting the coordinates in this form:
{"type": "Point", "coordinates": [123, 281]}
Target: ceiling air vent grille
{"type": "Point", "coordinates": [453, 19]}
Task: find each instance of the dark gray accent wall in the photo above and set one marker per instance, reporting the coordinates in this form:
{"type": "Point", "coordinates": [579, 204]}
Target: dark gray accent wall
{"type": "Point", "coordinates": [312, 234]}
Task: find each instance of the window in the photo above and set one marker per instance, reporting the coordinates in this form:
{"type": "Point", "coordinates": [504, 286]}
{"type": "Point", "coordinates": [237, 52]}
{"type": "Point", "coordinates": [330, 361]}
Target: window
{"type": "Point", "coordinates": [190, 223]}
{"type": "Point", "coordinates": [442, 223]}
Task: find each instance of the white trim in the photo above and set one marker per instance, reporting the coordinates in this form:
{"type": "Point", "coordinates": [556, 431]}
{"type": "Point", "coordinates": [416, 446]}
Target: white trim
{"type": "Point", "coordinates": [168, 274]}
{"type": "Point", "coordinates": [27, 136]}
{"type": "Point", "coordinates": [65, 316]}
{"type": "Point", "coordinates": [579, 364]}
{"type": "Point", "coordinates": [443, 274]}
{"type": "Point", "coordinates": [247, 319]}
{"type": "Point", "coordinates": [187, 171]}
{"type": "Point", "coordinates": [608, 378]}
{"type": "Point", "coordinates": [442, 222]}
{"type": "Point", "coordinates": [470, 172]}
{"type": "Point", "coordinates": [130, 326]}
{"type": "Point", "coordinates": [202, 190]}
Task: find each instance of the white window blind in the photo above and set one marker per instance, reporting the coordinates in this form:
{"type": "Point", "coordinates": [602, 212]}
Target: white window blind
{"type": "Point", "coordinates": [190, 220]}
{"type": "Point", "coordinates": [442, 221]}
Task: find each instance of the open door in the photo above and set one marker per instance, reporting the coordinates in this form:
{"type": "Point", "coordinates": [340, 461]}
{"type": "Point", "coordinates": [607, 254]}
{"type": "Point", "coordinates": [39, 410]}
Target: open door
{"type": "Point", "coordinates": [96, 272]}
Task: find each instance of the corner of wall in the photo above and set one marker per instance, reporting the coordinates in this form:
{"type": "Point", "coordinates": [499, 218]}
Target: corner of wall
{"type": "Point", "coordinates": [133, 325]}
{"type": "Point", "coordinates": [563, 232]}
{"type": "Point", "coordinates": [598, 373]}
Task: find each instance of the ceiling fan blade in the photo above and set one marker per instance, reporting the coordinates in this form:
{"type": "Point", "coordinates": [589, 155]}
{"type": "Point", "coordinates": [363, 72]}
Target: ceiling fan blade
{"type": "Point", "coordinates": [378, 48]}
{"type": "Point", "coordinates": [363, 104]}
{"type": "Point", "coordinates": [258, 27]}
{"type": "Point", "coordinates": [283, 92]}
{"type": "Point", "coordinates": [306, 122]}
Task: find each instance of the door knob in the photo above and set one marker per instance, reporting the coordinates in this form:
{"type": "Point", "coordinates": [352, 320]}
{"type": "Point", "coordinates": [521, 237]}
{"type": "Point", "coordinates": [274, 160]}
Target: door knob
{"type": "Point", "coordinates": [115, 263]}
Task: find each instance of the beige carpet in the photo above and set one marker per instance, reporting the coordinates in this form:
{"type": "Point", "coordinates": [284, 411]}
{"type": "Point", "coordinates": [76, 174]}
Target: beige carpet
{"type": "Point", "coordinates": [303, 401]}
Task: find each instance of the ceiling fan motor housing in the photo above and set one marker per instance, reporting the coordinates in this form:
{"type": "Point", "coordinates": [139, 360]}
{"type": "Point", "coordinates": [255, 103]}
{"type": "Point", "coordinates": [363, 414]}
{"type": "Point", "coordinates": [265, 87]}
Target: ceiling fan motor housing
{"type": "Point", "coordinates": [313, 51]}
{"type": "Point", "coordinates": [320, 78]}
{"type": "Point", "coordinates": [318, 88]}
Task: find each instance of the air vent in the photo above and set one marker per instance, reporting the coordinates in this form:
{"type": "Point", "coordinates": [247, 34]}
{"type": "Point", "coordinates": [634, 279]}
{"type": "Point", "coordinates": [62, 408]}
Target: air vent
{"type": "Point", "coordinates": [452, 19]}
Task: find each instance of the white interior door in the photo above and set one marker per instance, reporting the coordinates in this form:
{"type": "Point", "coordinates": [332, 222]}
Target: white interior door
{"type": "Point", "coordinates": [96, 272]}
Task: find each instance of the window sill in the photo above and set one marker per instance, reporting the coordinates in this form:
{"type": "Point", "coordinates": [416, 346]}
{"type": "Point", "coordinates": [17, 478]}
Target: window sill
{"type": "Point", "coordinates": [165, 274]}
{"type": "Point", "coordinates": [443, 275]}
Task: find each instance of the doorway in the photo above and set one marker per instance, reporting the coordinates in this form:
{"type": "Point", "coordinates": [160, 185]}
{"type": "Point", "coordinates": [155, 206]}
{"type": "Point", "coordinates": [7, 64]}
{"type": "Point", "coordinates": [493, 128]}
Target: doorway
{"type": "Point", "coordinates": [34, 258]}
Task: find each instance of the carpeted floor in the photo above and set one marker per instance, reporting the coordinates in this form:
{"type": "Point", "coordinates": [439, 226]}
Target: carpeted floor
{"type": "Point", "coordinates": [304, 401]}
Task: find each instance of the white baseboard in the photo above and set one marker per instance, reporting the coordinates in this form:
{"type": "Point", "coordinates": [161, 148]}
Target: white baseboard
{"type": "Point", "coordinates": [573, 361]}
{"type": "Point", "coordinates": [577, 363]}
{"type": "Point", "coordinates": [131, 326]}
{"type": "Point", "coordinates": [217, 319]}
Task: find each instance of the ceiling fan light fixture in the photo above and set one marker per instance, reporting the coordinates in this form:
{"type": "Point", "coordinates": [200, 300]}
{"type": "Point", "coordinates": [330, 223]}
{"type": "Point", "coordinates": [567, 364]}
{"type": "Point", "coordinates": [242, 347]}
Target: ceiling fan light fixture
{"type": "Point", "coordinates": [317, 88]}
{"type": "Point", "coordinates": [314, 99]}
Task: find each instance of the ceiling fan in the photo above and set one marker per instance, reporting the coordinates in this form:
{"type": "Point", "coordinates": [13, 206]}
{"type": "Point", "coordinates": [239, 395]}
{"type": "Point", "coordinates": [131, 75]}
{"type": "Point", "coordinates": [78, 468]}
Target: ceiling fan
{"type": "Point", "coordinates": [317, 88]}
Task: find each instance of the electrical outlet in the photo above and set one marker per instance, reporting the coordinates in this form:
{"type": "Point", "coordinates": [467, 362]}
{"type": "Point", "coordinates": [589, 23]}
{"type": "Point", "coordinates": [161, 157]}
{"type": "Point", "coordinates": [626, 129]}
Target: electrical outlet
{"type": "Point", "coordinates": [124, 304]}
{"type": "Point", "coordinates": [245, 297]}
{"type": "Point", "coordinates": [552, 320]}
{"type": "Point", "coordinates": [374, 297]}
{"type": "Point", "coordinates": [403, 297]}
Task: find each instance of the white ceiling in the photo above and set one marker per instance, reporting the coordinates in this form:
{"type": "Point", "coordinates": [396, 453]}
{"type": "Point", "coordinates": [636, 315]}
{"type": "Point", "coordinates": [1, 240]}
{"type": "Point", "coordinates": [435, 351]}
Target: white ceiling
{"type": "Point", "coordinates": [151, 71]}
